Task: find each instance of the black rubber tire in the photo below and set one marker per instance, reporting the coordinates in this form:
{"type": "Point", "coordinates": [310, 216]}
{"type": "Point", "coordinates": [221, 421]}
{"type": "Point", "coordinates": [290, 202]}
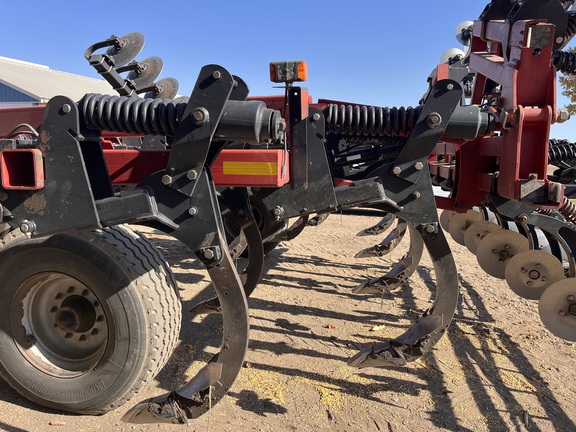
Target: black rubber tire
{"type": "Point", "coordinates": [86, 319]}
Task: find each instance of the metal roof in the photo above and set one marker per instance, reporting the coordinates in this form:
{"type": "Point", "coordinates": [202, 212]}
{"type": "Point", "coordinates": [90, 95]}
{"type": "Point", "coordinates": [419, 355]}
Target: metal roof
{"type": "Point", "coordinates": [42, 83]}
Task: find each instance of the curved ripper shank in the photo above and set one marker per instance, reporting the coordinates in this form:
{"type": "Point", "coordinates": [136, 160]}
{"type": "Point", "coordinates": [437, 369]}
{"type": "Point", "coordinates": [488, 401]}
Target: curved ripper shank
{"type": "Point", "coordinates": [401, 271]}
{"type": "Point", "coordinates": [407, 181]}
{"type": "Point", "coordinates": [424, 334]}
{"type": "Point", "coordinates": [212, 382]}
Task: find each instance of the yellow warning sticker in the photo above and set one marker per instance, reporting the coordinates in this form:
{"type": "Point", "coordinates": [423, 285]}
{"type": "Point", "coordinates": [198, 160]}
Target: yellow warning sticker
{"type": "Point", "coordinates": [250, 168]}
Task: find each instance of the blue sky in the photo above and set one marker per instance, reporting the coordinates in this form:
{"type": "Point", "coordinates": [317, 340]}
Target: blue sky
{"type": "Point", "coordinates": [376, 52]}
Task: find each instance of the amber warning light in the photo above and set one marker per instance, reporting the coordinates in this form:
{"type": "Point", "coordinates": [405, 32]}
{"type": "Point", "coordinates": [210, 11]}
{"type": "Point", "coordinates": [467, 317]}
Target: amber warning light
{"type": "Point", "coordinates": [288, 71]}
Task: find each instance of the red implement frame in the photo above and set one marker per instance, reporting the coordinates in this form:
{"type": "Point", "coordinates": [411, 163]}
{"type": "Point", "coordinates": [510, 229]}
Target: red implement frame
{"type": "Point", "coordinates": [512, 163]}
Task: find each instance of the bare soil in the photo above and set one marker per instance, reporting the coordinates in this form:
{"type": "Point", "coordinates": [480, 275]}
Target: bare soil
{"type": "Point", "coordinates": [497, 369]}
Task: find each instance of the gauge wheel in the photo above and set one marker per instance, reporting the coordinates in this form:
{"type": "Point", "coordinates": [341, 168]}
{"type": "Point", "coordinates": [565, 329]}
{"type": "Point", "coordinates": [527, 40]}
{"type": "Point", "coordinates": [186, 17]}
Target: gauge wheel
{"type": "Point", "coordinates": [86, 319]}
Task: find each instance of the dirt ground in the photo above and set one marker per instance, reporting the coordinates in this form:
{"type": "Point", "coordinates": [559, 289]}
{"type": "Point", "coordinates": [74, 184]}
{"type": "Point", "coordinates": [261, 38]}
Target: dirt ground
{"type": "Point", "coordinates": [497, 369]}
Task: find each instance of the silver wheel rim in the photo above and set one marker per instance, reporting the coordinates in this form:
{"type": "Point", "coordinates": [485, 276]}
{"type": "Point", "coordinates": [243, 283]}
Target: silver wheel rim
{"type": "Point", "coordinates": [59, 324]}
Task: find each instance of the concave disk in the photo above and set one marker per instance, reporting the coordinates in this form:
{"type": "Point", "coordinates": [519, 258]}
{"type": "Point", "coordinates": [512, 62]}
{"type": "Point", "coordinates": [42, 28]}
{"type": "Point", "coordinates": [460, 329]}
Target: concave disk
{"type": "Point", "coordinates": [557, 308]}
{"type": "Point", "coordinates": [460, 222]}
{"type": "Point", "coordinates": [497, 248]}
{"type": "Point", "coordinates": [445, 217]}
{"type": "Point", "coordinates": [130, 46]}
{"type": "Point", "coordinates": [150, 70]}
{"type": "Point", "coordinates": [166, 88]}
{"type": "Point", "coordinates": [529, 273]}
{"type": "Point", "coordinates": [476, 232]}
{"type": "Point", "coordinates": [459, 33]}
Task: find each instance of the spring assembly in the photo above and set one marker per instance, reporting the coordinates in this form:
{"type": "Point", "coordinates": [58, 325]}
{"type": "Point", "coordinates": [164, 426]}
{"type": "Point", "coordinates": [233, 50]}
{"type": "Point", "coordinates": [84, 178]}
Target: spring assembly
{"type": "Point", "coordinates": [348, 120]}
{"type": "Point", "coordinates": [568, 210]}
{"type": "Point", "coordinates": [565, 62]}
{"type": "Point", "coordinates": [131, 114]}
{"type": "Point", "coordinates": [561, 151]}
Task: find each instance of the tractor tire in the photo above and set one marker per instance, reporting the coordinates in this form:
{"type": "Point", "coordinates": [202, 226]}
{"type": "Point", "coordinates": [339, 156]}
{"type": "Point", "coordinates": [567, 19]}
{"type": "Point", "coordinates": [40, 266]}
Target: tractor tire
{"type": "Point", "coordinates": [86, 319]}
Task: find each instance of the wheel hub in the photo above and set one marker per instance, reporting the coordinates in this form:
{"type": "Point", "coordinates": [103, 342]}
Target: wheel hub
{"type": "Point", "coordinates": [63, 324]}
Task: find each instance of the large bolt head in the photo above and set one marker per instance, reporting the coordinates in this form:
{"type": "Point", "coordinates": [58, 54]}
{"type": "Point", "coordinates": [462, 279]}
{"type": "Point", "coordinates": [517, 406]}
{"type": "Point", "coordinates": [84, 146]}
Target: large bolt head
{"type": "Point", "coordinates": [434, 119]}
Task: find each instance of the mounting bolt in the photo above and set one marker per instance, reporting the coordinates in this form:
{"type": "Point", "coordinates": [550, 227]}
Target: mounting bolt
{"type": "Point", "coordinates": [217, 74]}
{"type": "Point", "coordinates": [416, 195]}
{"type": "Point", "coordinates": [27, 226]}
{"type": "Point", "coordinates": [193, 211]}
{"type": "Point", "coordinates": [562, 115]}
{"type": "Point", "coordinates": [166, 179]}
{"type": "Point", "coordinates": [522, 217]}
{"type": "Point", "coordinates": [66, 108]}
{"type": "Point", "coordinates": [278, 211]}
{"type": "Point", "coordinates": [434, 120]}
{"type": "Point", "coordinates": [192, 175]}
{"type": "Point", "coordinates": [430, 228]}
{"type": "Point", "coordinates": [200, 115]}
{"type": "Point", "coordinates": [532, 176]}
{"type": "Point", "coordinates": [208, 254]}
{"type": "Point", "coordinates": [316, 117]}
{"type": "Point", "coordinates": [450, 86]}
{"type": "Point", "coordinates": [418, 166]}
{"type": "Point", "coordinates": [559, 39]}
{"type": "Point", "coordinates": [397, 170]}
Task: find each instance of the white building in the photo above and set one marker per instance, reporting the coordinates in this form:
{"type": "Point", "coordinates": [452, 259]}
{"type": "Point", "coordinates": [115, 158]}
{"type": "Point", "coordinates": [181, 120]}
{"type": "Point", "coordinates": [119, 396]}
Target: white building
{"type": "Point", "coordinates": [24, 84]}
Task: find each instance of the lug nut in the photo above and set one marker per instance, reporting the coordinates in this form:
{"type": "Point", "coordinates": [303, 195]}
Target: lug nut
{"type": "Point", "coordinates": [94, 332]}
{"type": "Point", "coordinates": [71, 290]}
{"type": "Point", "coordinates": [82, 338]}
{"type": "Point", "coordinates": [59, 296]}
{"type": "Point", "coordinates": [68, 335]}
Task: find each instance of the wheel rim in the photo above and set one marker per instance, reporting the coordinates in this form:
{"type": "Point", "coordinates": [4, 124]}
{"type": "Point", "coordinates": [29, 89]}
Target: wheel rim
{"type": "Point", "coordinates": [60, 325]}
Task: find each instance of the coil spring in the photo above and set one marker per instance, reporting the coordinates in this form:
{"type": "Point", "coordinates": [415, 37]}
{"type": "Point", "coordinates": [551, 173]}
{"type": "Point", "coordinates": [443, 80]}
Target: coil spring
{"type": "Point", "coordinates": [131, 114]}
{"type": "Point", "coordinates": [565, 62]}
{"type": "Point", "coordinates": [349, 120]}
{"type": "Point", "coordinates": [560, 151]}
{"type": "Point", "coordinates": [568, 210]}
